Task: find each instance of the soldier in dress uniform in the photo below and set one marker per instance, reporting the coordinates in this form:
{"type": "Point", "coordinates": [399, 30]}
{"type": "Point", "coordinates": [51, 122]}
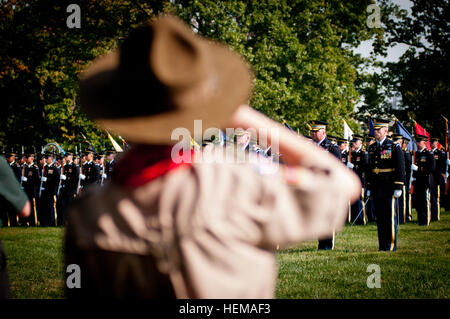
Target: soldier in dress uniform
{"type": "Point", "coordinates": [398, 139]}
{"type": "Point", "coordinates": [69, 181]}
{"type": "Point", "coordinates": [342, 145]}
{"type": "Point", "coordinates": [50, 182]}
{"type": "Point", "coordinates": [424, 181]}
{"type": "Point", "coordinates": [408, 176]}
{"type": "Point", "coordinates": [385, 180]}
{"type": "Point", "coordinates": [438, 188]}
{"type": "Point", "coordinates": [370, 207]}
{"type": "Point", "coordinates": [319, 136]}
{"type": "Point", "coordinates": [91, 172]}
{"type": "Point", "coordinates": [31, 181]}
{"type": "Point", "coordinates": [359, 161]}
{"type": "Point", "coordinates": [110, 162]}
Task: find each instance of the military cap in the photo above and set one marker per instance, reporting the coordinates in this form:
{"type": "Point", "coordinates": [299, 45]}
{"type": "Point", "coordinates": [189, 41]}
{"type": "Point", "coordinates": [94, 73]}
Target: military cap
{"type": "Point", "coordinates": [434, 139]}
{"type": "Point", "coordinates": [369, 137]}
{"type": "Point", "coordinates": [47, 155]}
{"type": "Point", "coordinates": [30, 155]}
{"type": "Point", "coordinates": [357, 137]}
{"type": "Point", "coordinates": [110, 153]}
{"type": "Point", "coordinates": [332, 138]}
{"type": "Point", "coordinates": [420, 138]}
{"type": "Point", "coordinates": [397, 136]}
{"type": "Point", "coordinates": [379, 123]}
{"type": "Point", "coordinates": [9, 154]}
{"type": "Point", "coordinates": [341, 140]}
{"type": "Point", "coordinates": [406, 139]}
{"type": "Point", "coordinates": [316, 125]}
{"type": "Point", "coordinates": [68, 154]}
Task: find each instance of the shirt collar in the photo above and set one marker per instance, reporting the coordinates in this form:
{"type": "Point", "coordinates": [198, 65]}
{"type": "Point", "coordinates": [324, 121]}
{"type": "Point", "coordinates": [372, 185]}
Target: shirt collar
{"type": "Point", "coordinates": [320, 142]}
{"type": "Point", "coordinates": [382, 141]}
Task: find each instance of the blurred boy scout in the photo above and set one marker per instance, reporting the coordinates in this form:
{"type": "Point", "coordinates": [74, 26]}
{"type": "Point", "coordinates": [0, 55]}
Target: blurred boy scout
{"type": "Point", "coordinates": [191, 229]}
{"type": "Point", "coordinates": [385, 180]}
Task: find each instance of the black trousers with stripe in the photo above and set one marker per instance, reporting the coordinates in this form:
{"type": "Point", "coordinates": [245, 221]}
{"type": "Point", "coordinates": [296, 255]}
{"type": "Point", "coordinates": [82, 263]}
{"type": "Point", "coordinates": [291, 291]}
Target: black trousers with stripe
{"type": "Point", "coordinates": [386, 208]}
{"type": "Point", "coordinates": [422, 197]}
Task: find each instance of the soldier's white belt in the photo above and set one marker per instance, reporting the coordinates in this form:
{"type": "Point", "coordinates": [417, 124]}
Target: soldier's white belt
{"type": "Point", "coordinates": [383, 170]}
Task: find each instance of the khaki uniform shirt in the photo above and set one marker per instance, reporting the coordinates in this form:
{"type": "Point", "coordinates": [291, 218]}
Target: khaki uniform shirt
{"type": "Point", "coordinates": [204, 230]}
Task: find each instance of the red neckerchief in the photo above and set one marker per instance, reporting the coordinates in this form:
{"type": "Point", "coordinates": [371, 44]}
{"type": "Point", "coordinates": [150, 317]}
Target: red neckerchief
{"type": "Point", "coordinates": [144, 163]}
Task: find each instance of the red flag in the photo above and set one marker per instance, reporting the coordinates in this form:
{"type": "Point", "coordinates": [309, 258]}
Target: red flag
{"type": "Point", "coordinates": [421, 131]}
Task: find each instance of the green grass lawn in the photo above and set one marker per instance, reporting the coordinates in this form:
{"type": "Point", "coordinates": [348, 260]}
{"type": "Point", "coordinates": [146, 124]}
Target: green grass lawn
{"type": "Point", "coordinates": [419, 269]}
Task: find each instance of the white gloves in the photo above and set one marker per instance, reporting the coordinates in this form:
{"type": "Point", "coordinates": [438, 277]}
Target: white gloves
{"type": "Point", "coordinates": [63, 177]}
{"type": "Point", "coordinates": [448, 161]}
{"type": "Point", "coordinates": [414, 167]}
{"type": "Point", "coordinates": [397, 193]}
{"type": "Point", "coordinates": [104, 176]}
{"type": "Point", "coordinates": [82, 176]}
{"type": "Point", "coordinates": [368, 193]}
{"type": "Point", "coordinates": [24, 179]}
{"type": "Point", "coordinates": [350, 165]}
{"type": "Point", "coordinates": [43, 178]}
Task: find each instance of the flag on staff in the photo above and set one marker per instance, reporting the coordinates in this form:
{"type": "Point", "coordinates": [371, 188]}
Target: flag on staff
{"type": "Point", "coordinates": [287, 125]}
{"type": "Point", "coordinates": [124, 143]}
{"type": "Point", "coordinates": [404, 132]}
{"type": "Point", "coordinates": [90, 145]}
{"type": "Point", "coordinates": [371, 130]}
{"type": "Point", "coordinates": [348, 133]}
{"type": "Point", "coordinates": [116, 146]}
{"type": "Point", "coordinates": [447, 132]}
{"type": "Point", "coordinates": [421, 131]}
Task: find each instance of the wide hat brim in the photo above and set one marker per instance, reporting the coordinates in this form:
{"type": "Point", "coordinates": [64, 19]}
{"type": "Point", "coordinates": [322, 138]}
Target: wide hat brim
{"type": "Point", "coordinates": [231, 84]}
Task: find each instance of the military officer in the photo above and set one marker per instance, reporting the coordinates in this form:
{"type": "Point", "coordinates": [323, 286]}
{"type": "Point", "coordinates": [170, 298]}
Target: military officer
{"type": "Point", "coordinates": [401, 217]}
{"type": "Point", "coordinates": [69, 181]}
{"type": "Point", "coordinates": [342, 145]}
{"type": "Point", "coordinates": [30, 182]}
{"type": "Point", "coordinates": [110, 162]}
{"type": "Point", "coordinates": [50, 180]}
{"type": "Point", "coordinates": [91, 172]}
{"type": "Point", "coordinates": [385, 180]}
{"type": "Point", "coordinates": [438, 188]}
{"type": "Point", "coordinates": [406, 197]}
{"type": "Point", "coordinates": [319, 136]}
{"type": "Point", "coordinates": [359, 161]}
{"type": "Point", "coordinates": [370, 207]}
{"type": "Point", "coordinates": [424, 180]}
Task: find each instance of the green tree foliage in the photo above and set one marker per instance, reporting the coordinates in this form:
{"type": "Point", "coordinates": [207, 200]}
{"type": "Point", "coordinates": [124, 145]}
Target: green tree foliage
{"type": "Point", "coordinates": [299, 51]}
{"type": "Point", "coordinates": [422, 74]}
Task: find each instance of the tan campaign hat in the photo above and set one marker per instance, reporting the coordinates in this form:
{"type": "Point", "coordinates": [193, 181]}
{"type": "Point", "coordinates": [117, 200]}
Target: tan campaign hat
{"type": "Point", "coordinates": [163, 77]}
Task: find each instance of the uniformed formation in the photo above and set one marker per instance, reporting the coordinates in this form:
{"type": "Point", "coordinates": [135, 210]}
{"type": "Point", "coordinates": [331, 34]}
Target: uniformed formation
{"type": "Point", "coordinates": [51, 182]}
{"type": "Point", "coordinates": [382, 162]}
{"type": "Point", "coordinates": [386, 170]}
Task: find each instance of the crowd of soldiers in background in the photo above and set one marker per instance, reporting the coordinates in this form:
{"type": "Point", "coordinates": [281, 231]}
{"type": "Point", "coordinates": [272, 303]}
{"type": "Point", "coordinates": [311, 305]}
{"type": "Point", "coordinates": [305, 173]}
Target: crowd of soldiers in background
{"type": "Point", "coordinates": [52, 181]}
